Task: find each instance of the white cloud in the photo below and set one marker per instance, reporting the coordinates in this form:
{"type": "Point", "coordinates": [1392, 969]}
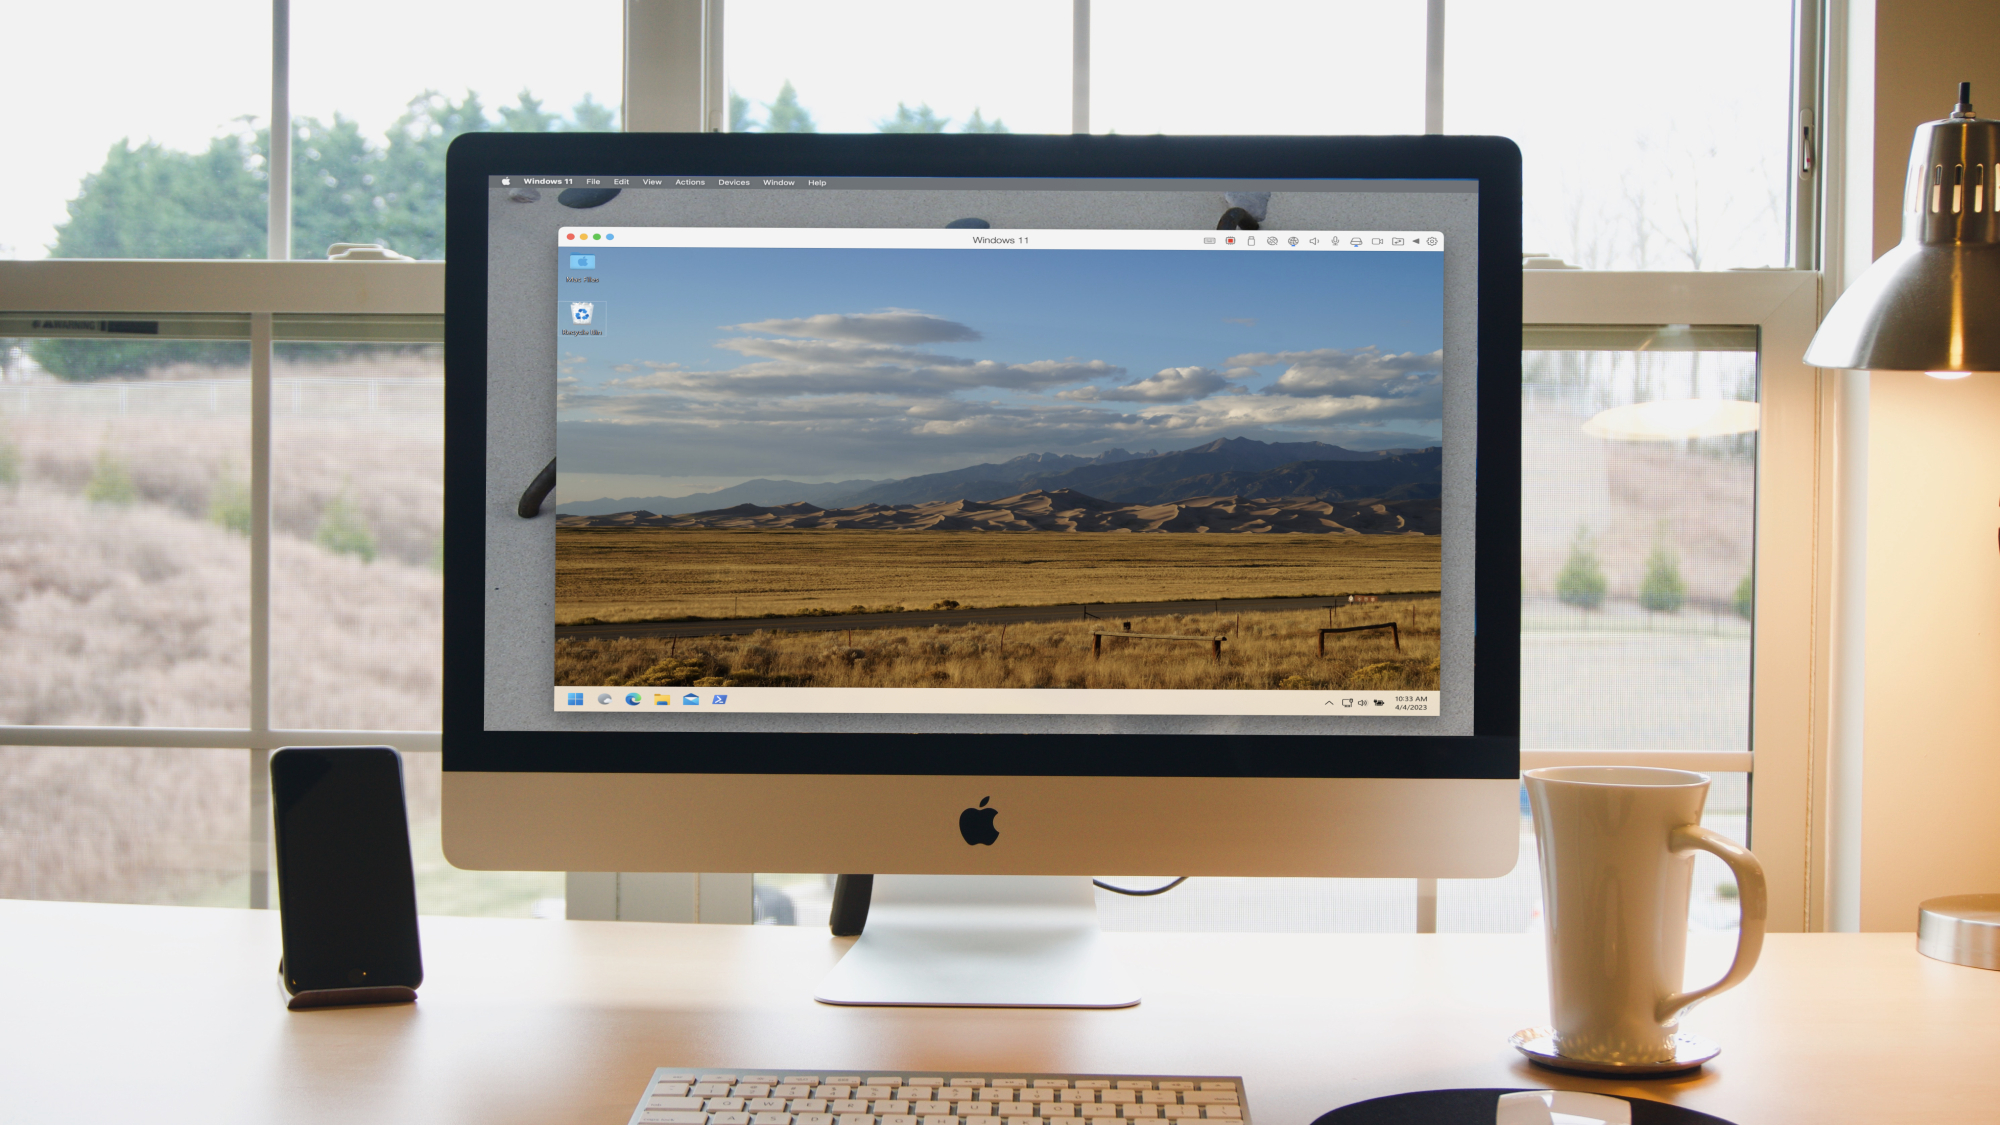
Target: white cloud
{"type": "Point", "coordinates": [1351, 371]}
{"type": "Point", "coordinates": [1174, 384]}
{"type": "Point", "coordinates": [889, 326]}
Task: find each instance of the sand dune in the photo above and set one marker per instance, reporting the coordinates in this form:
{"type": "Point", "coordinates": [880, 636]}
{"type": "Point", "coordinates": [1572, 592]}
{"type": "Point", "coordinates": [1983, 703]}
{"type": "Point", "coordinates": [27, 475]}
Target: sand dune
{"type": "Point", "coordinates": [1063, 510]}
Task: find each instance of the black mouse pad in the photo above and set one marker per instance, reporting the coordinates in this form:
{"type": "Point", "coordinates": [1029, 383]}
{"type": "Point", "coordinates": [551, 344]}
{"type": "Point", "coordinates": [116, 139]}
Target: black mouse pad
{"type": "Point", "coordinates": [1477, 1107]}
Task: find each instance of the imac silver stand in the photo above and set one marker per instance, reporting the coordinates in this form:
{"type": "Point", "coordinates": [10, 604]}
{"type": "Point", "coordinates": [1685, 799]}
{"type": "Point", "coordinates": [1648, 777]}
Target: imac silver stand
{"type": "Point", "coordinates": [980, 941]}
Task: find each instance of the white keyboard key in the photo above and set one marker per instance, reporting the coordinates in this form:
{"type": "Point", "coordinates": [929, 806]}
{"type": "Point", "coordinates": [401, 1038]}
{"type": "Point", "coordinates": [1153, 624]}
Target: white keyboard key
{"type": "Point", "coordinates": [841, 1080]}
{"type": "Point", "coordinates": [807, 1105]}
{"type": "Point", "coordinates": [869, 1091]}
{"type": "Point", "coordinates": [983, 1121]}
{"type": "Point", "coordinates": [997, 1095]}
{"type": "Point", "coordinates": [670, 1089]}
{"type": "Point", "coordinates": [728, 1119]}
{"type": "Point", "coordinates": [940, 1119]}
{"type": "Point", "coordinates": [1079, 1095]}
{"type": "Point", "coordinates": [771, 1118]}
{"type": "Point", "coordinates": [1056, 1109]}
{"type": "Point", "coordinates": [1175, 1084]}
{"type": "Point", "coordinates": [765, 1105]}
{"type": "Point", "coordinates": [899, 1119]}
{"type": "Point", "coordinates": [890, 1081]}
{"type": "Point", "coordinates": [847, 1105]}
{"type": "Point", "coordinates": [1009, 1083]}
{"type": "Point", "coordinates": [1118, 1097]}
{"type": "Point", "coordinates": [835, 1090]}
{"type": "Point", "coordinates": [1209, 1097]}
{"type": "Point", "coordinates": [711, 1089]}
{"type": "Point", "coordinates": [813, 1119]}
{"type": "Point", "coordinates": [924, 1082]}
{"type": "Point", "coordinates": [674, 1117]}
{"type": "Point", "coordinates": [758, 1079]}
{"type": "Point", "coordinates": [968, 1082]}
{"type": "Point", "coordinates": [1233, 1112]}
{"type": "Point", "coordinates": [675, 1076]}
{"type": "Point", "coordinates": [892, 1106]}
{"type": "Point", "coordinates": [1180, 1111]}
{"type": "Point", "coordinates": [752, 1090]}
{"type": "Point", "coordinates": [1139, 1111]}
{"type": "Point", "coordinates": [856, 1119]}
{"type": "Point", "coordinates": [1051, 1083]}
{"type": "Point", "coordinates": [724, 1105]}
{"type": "Point", "coordinates": [725, 1079]}
{"type": "Point", "coordinates": [1012, 1110]}
{"type": "Point", "coordinates": [1159, 1097]}
{"type": "Point", "coordinates": [1092, 1084]}
{"type": "Point", "coordinates": [1218, 1085]}
{"type": "Point", "coordinates": [1095, 1110]}
{"type": "Point", "coordinates": [673, 1103]}
{"type": "Point", "coordinates": [1038, 1095]}
{"type": "Point", "coordinates": [800, 1080]}
{"type": "Point", "coordinates": [1134, 1084]}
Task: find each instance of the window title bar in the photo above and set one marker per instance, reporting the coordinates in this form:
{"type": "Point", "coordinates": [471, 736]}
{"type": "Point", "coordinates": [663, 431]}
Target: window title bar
{"type": "Point", "coordinates": [710, 182]}
{"type": "Point", "coordinates": [934, 238]}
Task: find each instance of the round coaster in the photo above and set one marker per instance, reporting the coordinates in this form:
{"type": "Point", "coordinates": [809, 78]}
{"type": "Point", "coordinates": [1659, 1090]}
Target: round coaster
{"type": "Point", "coordinates": [1539, 1044]}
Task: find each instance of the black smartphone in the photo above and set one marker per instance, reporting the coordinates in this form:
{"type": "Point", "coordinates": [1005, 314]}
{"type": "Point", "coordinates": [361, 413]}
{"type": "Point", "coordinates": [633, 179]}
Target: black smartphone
{"type": "Point", "coordinates": [346, 890]}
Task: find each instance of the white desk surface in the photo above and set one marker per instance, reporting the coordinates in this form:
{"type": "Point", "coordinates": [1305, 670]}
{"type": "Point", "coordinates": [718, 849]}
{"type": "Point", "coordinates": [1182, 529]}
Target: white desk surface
{"type": "Point", "coordinates": [166, 1014]}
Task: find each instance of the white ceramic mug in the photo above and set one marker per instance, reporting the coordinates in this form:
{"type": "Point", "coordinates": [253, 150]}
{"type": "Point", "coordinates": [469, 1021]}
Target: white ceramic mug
{"type": "Point", "coordinates": [1617, 848]}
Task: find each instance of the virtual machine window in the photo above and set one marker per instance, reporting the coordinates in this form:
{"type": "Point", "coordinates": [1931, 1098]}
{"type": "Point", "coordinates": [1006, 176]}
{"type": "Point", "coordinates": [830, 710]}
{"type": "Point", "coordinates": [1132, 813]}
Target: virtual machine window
{"type": "Point", "coordinates": [824, 467]}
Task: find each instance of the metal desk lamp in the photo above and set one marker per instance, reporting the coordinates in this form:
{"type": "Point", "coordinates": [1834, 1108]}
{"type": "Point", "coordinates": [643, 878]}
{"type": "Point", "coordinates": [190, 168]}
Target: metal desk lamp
{"type": "Point", "coordinates": [1932, 304]}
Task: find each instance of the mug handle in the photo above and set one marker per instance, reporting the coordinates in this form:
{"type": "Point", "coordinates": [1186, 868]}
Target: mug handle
{"type": "Point", "coordinates": [1750, 894]}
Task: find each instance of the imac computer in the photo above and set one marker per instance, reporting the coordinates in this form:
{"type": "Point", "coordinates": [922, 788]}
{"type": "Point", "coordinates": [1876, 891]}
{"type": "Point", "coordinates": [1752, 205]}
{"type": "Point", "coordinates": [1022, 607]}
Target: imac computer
{"type": "Point", "coordinates": [1005, 506]}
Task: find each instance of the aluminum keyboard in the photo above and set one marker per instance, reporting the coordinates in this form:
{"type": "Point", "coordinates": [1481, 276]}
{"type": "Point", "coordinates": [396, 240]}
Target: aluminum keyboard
{"type": "Point", "coordinates": [741, 1097]}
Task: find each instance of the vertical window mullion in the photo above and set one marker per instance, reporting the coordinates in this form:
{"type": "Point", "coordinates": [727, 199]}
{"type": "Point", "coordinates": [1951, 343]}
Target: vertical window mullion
{"type": "Point", "coordinates": [260, 606]}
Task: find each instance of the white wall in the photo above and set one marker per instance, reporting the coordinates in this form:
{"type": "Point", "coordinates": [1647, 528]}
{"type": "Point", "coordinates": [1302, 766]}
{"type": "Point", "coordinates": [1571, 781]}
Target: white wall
{"type": "Point", "coordinates": [1931, 818]}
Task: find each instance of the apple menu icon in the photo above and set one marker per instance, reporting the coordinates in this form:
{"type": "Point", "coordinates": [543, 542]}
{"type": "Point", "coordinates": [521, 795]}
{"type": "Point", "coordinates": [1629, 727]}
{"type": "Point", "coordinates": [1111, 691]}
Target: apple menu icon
{"type": "Point", "coordinates": [976, 824]}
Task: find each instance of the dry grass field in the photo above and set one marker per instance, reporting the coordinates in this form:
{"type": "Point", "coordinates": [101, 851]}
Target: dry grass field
{"type": "Point", "coordinates": [1262, 650]}
{"type": "Point", "coordinates": [661, 574]}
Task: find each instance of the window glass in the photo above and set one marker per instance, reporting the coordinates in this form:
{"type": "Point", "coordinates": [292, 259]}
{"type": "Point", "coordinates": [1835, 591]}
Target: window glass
{"type": "Point", "coordinates": [124, 521]}
{"type": "Point", "coordinates": [1284, 66]}
{"type": "Point", "coordinates": [125, 824]}
{"type": "Point", "coordinates": [135, 131]}
{"type": "Point", "coordinates": [357, 515]}
{"type": "Point", "coordinates": [898, 66]}
{"type": "Point", "coordinates": [1650, 139]}
{"type": "Point", "coordinates": [373, 116]}
{"type": "Point", "coordinates": [1638, 513]}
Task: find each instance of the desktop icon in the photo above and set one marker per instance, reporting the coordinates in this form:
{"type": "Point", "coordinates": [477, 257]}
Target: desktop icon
{"type": "Point", "coordinates": [632, 698]}
{"type": "Point", "coordinates": [976, 824]}
{"type": "Point", "coordinates": [579, 312]}
{"type": "Point", "coordinates": [691, 699]}
{"type": "Point", "coordinates": [583, 261]}
{"type": "Point", "coordinates": [576, 699]}
{"type": "Point", "coordinates": [603, 698]}
{"type": "Point", "coordinates": [660, 700]}
{"type": "Point", "coordinates": [719, 700]}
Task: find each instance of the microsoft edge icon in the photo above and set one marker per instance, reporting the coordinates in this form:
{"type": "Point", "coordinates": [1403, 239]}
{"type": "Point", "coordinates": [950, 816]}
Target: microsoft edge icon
{"type": "Point", "coordinates": [632, 699]}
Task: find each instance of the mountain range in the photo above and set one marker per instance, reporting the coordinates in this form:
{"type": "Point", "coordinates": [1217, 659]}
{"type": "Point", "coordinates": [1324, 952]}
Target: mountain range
{"type": "Point", "coordinates": [1061, 510]}
{"type": "Point", "coordinates": [1224, 467]}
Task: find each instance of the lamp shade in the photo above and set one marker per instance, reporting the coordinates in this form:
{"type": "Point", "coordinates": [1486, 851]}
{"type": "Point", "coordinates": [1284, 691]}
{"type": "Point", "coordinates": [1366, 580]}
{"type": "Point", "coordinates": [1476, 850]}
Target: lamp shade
{"type": "Point", "coordinates": [1933, 302]}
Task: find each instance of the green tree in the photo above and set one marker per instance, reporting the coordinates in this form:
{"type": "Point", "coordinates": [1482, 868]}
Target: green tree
{"type": "Point", "coordinates": [786, 115]}
{"type": "Point", "coordinates": [1746, 597]}
{"type": "Point", "coordinates": [152, 202]}
{"type": "Point", "coordinates": [590, 116]}
{"type": "Point", "coordinates": [1662, 590]}
{"type": "Point", "coordinates": [526, 115]}
{"type": "Point", "coordinates": [919, 120]}
{"type": "Point", "coordinates": [343, 531]}
{"type": "Point", "coordinates": [739, 114]}
{"type": "Point", "coordinates": [229, 501]}
{"type": "Point", "coordinates": [110, 483]}
{"type": "Point", "coordinates": [1581, 581]}
{"type": "Point", "coordinates": [978, 124]}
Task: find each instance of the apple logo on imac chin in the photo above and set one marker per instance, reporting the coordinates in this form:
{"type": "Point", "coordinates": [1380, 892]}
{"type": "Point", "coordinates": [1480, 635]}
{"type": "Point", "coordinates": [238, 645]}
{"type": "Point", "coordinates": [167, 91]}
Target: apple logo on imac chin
{"type": "Point", "coordinates": [976, 824]}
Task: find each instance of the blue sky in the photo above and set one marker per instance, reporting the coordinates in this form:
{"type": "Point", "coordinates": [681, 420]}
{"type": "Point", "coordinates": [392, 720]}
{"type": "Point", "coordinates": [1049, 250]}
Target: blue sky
{"type": "Point", "coordinates": [721, 365]}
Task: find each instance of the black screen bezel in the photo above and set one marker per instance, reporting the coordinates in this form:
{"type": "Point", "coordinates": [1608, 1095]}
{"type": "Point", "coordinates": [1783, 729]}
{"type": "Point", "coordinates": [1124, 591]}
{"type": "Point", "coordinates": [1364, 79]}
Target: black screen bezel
{"type": "Point", "coordinates": [1491, 751]}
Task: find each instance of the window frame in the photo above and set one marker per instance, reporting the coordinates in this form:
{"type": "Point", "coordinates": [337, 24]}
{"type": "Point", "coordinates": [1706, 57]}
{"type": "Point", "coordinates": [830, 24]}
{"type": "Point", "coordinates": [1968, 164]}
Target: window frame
{"type": "Point", "coordinates": [673, 81]}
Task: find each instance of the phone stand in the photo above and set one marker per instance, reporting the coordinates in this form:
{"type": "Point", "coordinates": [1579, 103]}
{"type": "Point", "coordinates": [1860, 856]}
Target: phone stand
{"type": "Point", "coordinates": [343, 997]}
